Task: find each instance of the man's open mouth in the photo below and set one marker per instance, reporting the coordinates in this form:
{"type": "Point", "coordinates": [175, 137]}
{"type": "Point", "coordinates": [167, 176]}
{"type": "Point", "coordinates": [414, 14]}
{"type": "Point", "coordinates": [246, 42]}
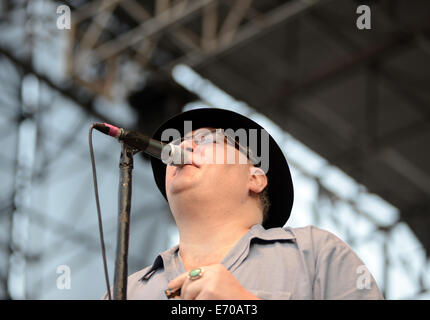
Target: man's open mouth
{"type": "Point", "coordinates": [192, 164]}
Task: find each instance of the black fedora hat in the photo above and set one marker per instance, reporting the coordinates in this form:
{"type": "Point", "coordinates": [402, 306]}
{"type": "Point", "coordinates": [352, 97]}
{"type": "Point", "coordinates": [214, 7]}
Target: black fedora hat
{"type": "Point", "coordinates": [280, 186]}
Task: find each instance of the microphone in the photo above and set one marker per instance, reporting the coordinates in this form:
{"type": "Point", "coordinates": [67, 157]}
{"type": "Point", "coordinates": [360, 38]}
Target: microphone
{"type": "Point", "coordinates": [168, 153]}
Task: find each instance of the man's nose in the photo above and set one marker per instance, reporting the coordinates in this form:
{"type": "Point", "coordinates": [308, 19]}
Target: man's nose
{"type": "Point", "coordinates": [188, 145]}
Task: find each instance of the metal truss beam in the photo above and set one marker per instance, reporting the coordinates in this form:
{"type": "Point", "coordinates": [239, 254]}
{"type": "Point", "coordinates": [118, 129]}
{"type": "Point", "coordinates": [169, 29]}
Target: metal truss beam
{"type": "Point", "coordinates": [241, 24]}
{"type": "Point", "coordinates": [174, 15]}
{"type": "Point", "coordinates": [238, 36]}
{"type": "Point", "coordinates": [68, 92]}
{"type": "Point", "coordinates": [379, 147]}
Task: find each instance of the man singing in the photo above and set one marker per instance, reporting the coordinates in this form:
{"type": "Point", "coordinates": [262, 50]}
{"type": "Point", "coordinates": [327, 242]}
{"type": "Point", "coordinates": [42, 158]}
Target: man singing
{"type": "Point", "coordinates": [230, 204]}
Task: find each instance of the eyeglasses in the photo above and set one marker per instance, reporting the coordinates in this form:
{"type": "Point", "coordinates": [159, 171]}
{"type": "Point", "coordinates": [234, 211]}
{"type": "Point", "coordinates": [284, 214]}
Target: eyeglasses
{"type": "Point", "coordinates": [218, 136]}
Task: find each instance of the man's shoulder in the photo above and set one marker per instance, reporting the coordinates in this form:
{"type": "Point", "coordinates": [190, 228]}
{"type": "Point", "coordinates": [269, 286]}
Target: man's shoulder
{"type": "Point", "coordinates": [316, 237]}
{"type": "Point", "coordinates": [155, 266]}
{"type": "Point", "coordinates": [310, 231]}
{"type": "Point", "coordinates": [136, 276]}
{"type": "Point", "coordinates": [132, 282]}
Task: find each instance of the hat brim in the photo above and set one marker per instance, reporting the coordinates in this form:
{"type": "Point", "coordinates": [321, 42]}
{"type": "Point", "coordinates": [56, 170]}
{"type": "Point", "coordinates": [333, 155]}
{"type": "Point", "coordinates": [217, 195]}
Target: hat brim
{"type": "Point", "coordinates": [280, 186]}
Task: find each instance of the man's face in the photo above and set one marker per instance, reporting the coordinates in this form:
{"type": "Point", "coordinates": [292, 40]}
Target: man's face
{"type": "Point", "coordinates": [218, 169]}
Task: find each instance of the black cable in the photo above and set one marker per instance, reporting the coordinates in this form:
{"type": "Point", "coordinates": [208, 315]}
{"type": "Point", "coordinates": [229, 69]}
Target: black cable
{"type": "Point", "coordinates": [99, 211]}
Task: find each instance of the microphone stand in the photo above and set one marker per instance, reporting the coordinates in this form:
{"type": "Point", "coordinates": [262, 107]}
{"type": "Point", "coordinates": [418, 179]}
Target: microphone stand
{"type": "Point", "coordinates": [135, 143]}
{"type": "Point", "coordinates": [123, 231]}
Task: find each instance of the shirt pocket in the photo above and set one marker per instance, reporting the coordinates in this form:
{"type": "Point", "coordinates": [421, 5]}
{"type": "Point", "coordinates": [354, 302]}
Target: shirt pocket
{"type": "Point", "coordinates": [271, 295]}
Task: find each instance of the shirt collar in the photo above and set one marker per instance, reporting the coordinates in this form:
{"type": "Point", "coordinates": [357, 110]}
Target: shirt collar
{"type": "Point", "coordinates": [241, 250]}
{"type": "Point", "coordinates": [258, 232]}
{"type": "Point", "coordinates": [163, 259]}
{"type": "Point", "coordinates": [166, 259]}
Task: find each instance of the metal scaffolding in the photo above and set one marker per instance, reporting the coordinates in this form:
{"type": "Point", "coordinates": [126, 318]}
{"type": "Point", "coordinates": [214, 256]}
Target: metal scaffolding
{"type": "Point", "coordinates": [112, 47]}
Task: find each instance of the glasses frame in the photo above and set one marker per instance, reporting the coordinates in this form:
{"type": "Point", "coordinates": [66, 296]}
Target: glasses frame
{"type": "Point", "coordinates": [226, 138]}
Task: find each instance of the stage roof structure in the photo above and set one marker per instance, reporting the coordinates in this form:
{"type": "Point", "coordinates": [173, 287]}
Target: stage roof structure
{"type": "Point", "coordinates": [360, 98]}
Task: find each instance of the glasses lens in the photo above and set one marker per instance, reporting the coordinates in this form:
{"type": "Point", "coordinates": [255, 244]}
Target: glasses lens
{"type": "Point", "coordinates": [204, 138]}
{"type": "Point", "coordinates": [218, 136]}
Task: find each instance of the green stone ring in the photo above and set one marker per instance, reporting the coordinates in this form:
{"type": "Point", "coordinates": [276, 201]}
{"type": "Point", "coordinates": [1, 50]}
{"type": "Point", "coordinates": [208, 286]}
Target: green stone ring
{"type": "Point", "coordinates": [195, 273]}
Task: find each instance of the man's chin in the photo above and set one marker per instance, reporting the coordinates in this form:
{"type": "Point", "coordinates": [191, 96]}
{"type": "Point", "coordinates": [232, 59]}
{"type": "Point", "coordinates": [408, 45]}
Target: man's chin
{"type": "Point", "coordinates": [181, 185]}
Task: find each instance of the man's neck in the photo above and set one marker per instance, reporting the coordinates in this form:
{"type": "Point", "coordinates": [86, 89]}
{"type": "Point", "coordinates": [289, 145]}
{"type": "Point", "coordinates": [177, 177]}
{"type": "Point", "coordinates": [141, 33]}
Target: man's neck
{"type": "Point", "coordinates": [207, 235]}
{"type": "Point", "coordinates": [208, 245]}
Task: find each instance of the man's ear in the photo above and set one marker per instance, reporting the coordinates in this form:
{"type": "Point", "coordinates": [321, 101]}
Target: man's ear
{"type": "Point", "coordinates": [257, 180]}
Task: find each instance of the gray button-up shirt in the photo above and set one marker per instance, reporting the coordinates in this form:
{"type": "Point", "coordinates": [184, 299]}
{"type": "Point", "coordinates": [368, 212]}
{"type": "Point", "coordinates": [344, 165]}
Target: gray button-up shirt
{"type": "Point", "coordinates": [277, 263]}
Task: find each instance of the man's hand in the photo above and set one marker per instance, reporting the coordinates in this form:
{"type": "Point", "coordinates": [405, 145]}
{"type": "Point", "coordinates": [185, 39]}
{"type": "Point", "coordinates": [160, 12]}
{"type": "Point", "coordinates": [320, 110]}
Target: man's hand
{"type": "Point", "coordinates": [216, 283]}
